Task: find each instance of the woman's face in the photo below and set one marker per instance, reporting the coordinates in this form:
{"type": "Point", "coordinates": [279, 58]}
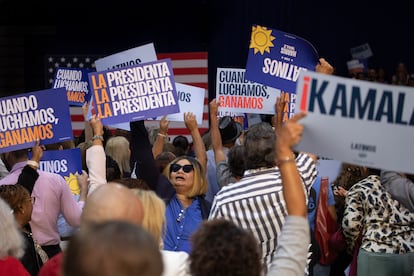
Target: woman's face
{"type": "Point", "coordinates": [182, 176]}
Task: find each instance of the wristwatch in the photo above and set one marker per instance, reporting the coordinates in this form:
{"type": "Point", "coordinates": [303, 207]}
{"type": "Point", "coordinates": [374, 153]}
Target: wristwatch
{"type": "Point", "coordinates": [97, 137]}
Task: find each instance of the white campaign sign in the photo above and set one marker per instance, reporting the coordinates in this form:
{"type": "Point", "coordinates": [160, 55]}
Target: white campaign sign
{"type": "Point", "coordinates": [359, 122]}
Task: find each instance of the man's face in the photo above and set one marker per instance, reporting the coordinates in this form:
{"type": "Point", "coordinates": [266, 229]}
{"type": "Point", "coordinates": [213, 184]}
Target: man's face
{"type": "Point", "coordinates": [4, 157]}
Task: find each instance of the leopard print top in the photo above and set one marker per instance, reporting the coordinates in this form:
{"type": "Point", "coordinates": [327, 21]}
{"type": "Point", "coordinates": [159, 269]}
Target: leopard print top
{"type": "Point", "coordinates": [386, 225]}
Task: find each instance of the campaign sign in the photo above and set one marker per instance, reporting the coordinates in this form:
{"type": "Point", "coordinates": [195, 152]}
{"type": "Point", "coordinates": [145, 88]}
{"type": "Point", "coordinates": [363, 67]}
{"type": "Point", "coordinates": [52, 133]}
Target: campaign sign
{"type": "Point", "coordinates": [358, 122]}
{"type": "Point", "coordinates": [75, 80]}
{"type": "Point", "coordinates": [276, 58]}
{"type": "Point", "coordinates": [242, 96]}
{"type": "Point", "coordinates": [190, 99]}
{"type": "Point", "coordinates": [130, 57]}
{"type": "Point", "coordinates": [41, 115]}
{"type": "Point", "coordinates": [134, 93]}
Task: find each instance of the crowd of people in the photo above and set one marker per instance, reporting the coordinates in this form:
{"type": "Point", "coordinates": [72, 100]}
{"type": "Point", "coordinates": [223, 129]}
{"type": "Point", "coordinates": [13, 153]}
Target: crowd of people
{"type": "Point", "coordinates": [235, 203]}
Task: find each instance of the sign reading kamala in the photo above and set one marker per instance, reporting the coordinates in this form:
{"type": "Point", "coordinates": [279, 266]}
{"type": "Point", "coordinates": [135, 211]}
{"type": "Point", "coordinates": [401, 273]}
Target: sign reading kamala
{"type": "Point", "coordinates": [75, 80]}
{"type": "Point", "coordinates": [276, 58]}
{"type": "Point", "coordinates": [41, 115]}
{"type": "Point", "coordinates": [240, 95]}
{"type": "Point", "coordinates": [358, 122]}
{"type": "Point", "coordinates": [134, 93]}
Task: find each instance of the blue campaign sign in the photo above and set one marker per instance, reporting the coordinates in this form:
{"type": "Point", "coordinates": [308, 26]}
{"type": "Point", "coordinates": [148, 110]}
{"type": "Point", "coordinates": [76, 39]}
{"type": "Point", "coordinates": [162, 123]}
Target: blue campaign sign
{"type": "Point", "coordinates": [41, 115]}
{"type": "Point", "coordinates": [276, 58]}
{"type": "Point", "coordinates": [64, 162]}
{"type": "Point", "coordinates": [75, 80]}
{"type": "Point", "coordinates": [134, 93]}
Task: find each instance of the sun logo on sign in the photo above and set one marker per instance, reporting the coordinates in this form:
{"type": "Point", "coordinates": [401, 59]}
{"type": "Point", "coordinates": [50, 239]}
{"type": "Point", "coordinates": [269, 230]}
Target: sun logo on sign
{"type": "Point", "coordinates": [261, 39]}
{"type": "Point", "coordinates": [73, 184]}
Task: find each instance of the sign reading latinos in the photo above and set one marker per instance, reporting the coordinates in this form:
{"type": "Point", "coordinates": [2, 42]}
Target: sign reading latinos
{"type": "Point", "coordinates": [240, 95]}
{"type": "Point", "coordinates": [357, 122]}
{"type": "Point", "coordinates": [134, 93]}
{"type": "Point", "coordinates": [276, 58]}
{"type": "Point", "coordinates": [75, 80]}
{"type": "Point", "coordinates": [42, 115]}
{"type": "Point", "coordinates": [67, 163]}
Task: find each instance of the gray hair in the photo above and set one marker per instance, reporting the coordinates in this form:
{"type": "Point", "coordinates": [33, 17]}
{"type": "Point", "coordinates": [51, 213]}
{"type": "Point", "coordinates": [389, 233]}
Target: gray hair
{"type": "Point", "coordinates": [11, 239]}
{"type": "Point", "coordinates": [259, 143]}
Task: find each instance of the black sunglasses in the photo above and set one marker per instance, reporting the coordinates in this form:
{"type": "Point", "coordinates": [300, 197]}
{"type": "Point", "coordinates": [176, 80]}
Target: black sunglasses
{"type": "Point", "coordinates": [177, 167]}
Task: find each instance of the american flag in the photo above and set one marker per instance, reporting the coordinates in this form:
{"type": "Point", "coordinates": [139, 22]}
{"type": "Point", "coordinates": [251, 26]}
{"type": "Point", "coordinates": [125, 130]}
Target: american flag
{"type": "Point", "coordinates": [189, 68]}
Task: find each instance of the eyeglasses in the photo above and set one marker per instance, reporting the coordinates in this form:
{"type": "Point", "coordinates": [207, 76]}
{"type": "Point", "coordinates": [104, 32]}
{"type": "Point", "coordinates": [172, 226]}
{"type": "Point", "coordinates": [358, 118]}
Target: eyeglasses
{"type": "Point", "coordinates": [177, 167]}
{"type": "Point", "coordinates": [32, 199]}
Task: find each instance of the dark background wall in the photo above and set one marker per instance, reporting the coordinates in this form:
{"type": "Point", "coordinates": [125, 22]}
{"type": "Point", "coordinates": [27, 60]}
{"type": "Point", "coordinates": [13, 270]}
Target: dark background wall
{"type": "Point", "coordinates": [30, 31]}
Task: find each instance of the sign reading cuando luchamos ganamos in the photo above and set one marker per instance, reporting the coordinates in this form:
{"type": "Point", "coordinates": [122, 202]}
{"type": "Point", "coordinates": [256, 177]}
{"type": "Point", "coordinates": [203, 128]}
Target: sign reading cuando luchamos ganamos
{"type": "Point", "coordinates": [41, 115]}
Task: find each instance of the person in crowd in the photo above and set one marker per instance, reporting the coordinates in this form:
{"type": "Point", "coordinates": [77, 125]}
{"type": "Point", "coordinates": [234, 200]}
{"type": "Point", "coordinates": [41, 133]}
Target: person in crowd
{"type": "Point", "coordinates": [315, 267]}
{"type": "Point", "coordinates": [182, 186]}
{"type": "Point", "coordinates": [175, 262]}
{"type": "Point", "coordinates": [401, 75]}
{"type": "Point", "coordinates": [229, 130]}
{"type": "Point", "coordinates": [385, 226]}
{"type": "Point", "coordinates": [261, 184]}
{"type": "Point", "coordinates": [229, 163]}
{"type": "Point", "coordinates": [221, 248]}
{"type": "Point", "coordinates": [220, 239]}
{"type": "Point", "coordinates": [181, 145]}
{"type": "Point", "coordinates": [400, 186]}
{"type": "Point", "coordinates": [253, 196]}
{"type": "Point", "coordinates": [11, 243]}
{"type": "Point", "coordinates": [117, 147]}
{"type": "Point", "coordinates": [134, 251]}
{"type": "Point", "coordinates": [108, 202]}
{"type": "Point", "coordinates": [21, 204]}
{"type": "Point", "coordinates": [53, 196]}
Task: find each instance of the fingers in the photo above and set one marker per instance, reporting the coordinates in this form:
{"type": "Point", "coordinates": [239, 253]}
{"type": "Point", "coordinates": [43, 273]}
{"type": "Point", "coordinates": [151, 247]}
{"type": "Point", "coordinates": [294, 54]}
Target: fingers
{"type": "Point", "coordinates": [298, 116]}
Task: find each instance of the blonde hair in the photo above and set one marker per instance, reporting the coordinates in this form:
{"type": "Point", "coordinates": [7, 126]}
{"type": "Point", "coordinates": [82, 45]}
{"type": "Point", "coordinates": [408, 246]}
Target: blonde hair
{"type": "Point", "coordinates": [199, 181]}
{"type": "Point", "coordinates": [154, 213]}
{"type": "Point", "coordinates": [118, 148]}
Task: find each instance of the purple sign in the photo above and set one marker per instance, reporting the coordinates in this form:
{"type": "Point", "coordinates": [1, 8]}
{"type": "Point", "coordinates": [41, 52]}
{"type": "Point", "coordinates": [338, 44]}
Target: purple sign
{"type": "Point", "coordinates": [41, 115]}
{"type": "Point", "coordinates": [276, 58]}
{"type": "Point", "coordinates": [75, 80]}
{"type": "Point", "coordinates": [134, 93]}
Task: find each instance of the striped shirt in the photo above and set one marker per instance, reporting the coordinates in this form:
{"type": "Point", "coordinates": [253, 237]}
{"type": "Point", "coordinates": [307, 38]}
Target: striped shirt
{"type": "Point", "coordinates": [256, 202]}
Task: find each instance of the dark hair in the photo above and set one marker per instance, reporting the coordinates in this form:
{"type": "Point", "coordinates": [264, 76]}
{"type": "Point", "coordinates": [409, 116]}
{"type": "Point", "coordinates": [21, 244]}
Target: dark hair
{"type": "Point", "coordinates": [132, 183]}
{"type": "Point", "coordinates": [112, 169]}
{"type": "Point", "coordinates": [259, 144]}
{"type": "Point", "coordinates": [181, 145]}
{"type": "Point", "coordinates": [220, 247]}
{"type": "Point", "coordinates": [236, 161]}
{"type": "Point", "coordinates": [14, 195]}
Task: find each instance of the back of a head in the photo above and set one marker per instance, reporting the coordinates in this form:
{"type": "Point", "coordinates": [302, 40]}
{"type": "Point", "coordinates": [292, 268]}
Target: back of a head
{"type": "Point", "coordinates": [11, 241]}
{"type": "Point", "coordinates": [218, 240]}
{"type": "Point", "coordinates": [112, 201]}
{"type": "Point", "coordinates": [259, 143]}
{"type": "Point", "coordinates": [181, 145]}
{"type": "Point", "coordinates": [154, 212]}
{"type": "Point", "coordinates": [112, 248]}
{"type": "Point", "coordinates": [112, 169]}
{"type": "Point", "coordinates": [118, 148]}
{"type": "Point", "coordinates": [236, 160]}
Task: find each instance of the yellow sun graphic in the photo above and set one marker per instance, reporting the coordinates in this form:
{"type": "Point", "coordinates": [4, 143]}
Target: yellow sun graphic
{"type": "Point", "coordinates": [261, 39]}
{"type": "Point", "coordinates": [73, 183]}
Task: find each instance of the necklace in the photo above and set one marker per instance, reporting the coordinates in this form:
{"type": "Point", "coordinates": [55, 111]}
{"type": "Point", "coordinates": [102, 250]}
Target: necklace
{"type": "Point", "coordinates": [39, 250]}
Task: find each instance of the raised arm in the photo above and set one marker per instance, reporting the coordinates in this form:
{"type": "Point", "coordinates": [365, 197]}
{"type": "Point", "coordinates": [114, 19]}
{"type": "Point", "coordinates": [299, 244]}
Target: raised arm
{"type": "Point", "coordinates": [215, 135]}
{"type": "Point", "coordinates": [95, 155]}
{"type": "Point", "coordinates": [29, 174]}
{"type": "Point", "coordinates": [162, 134]}
{"type": "Point", "coordinates": [199, 148]}
{"type": "Point", "coordinates": [88, 128]}
{"type": "Point", "coordinates": [291, 254]}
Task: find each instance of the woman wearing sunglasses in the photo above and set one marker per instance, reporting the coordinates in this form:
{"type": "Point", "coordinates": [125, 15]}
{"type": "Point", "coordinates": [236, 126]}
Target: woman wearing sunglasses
{"type": "Point", "coordinates": [182, 185]}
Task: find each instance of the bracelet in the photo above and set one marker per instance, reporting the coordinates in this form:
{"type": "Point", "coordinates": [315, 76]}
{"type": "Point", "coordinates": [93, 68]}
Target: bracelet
{"type": "Point", "coordinates": [32, 163]}
{"type": "Point", "coordinates": [97, 137]}
{"type": "Point", "coordinates": [286, 159]}
{"type": "Point", "coordinates": [162, 135]}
